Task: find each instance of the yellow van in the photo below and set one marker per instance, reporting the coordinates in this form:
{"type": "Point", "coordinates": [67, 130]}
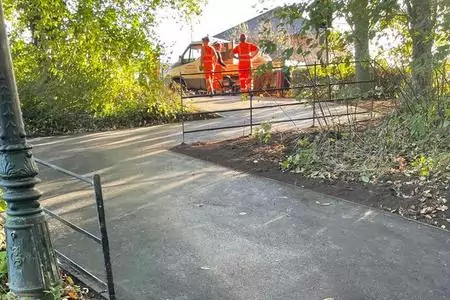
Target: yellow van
{"type": "Point", "coordinates": [187, 70]}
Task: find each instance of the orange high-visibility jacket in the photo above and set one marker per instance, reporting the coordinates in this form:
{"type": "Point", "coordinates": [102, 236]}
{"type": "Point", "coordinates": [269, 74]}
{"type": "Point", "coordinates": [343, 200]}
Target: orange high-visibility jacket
{"type": "Point", "coordinates": [244, 50]}
{"type": "Point", "coordinates": [208, 57]}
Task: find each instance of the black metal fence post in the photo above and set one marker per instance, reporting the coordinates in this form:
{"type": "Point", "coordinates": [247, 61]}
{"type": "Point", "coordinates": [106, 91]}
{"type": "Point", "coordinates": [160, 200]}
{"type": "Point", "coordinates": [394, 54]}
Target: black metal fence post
{"type": "Point", "coordinates": [314, 94]}
{"type": "Point", "coordinates": [374, 87]}
{"type": "Point", "coordinates": [182, 106]}
{"type": "Point", "coordinates": [251, 112]}
{"type": "Point", "coordinates": [104, 234]}
{"type": "Point", "coordinates": [327, 58]}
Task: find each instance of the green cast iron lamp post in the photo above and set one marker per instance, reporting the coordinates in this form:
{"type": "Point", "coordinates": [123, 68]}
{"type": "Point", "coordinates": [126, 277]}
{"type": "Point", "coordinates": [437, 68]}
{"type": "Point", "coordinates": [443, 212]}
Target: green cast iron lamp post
{"type": "Point", "coordinates": [32, 268]}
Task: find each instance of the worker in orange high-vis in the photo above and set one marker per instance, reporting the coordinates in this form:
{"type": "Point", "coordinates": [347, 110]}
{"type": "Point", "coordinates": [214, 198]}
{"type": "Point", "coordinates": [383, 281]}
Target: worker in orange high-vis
{"type": "Point", "coordinates": [208, 60]}
{"type": "Point", "coordinates": [245, 52]}
{"type": "Point", "coordinates": [218, 68]}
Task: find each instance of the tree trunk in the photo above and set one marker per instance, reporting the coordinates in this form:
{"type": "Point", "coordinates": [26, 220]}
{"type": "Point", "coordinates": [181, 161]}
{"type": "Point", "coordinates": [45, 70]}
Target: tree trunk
{"type": "Point", "coordinates": [360, 18]}
{"type": "Point", "coordinates": [421, 31]}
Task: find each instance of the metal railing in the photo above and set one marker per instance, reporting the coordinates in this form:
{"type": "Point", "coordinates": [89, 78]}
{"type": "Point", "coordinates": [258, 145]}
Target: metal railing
{"type": "Point", "coordinates": [94, 182]}
{"type": "Point", "coordinates": [313, 83]}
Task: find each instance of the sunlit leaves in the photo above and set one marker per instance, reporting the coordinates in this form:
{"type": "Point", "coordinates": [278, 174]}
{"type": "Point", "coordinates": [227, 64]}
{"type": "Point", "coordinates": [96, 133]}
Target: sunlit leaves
{"type": "Point", "coordinates": [321, 13]}
{"type": "Point", "coordinates": [288, 53]}
{"type": "Point", "coordinates": [267, 46]}
{"type": "Point", "coordinates": [89, 56]}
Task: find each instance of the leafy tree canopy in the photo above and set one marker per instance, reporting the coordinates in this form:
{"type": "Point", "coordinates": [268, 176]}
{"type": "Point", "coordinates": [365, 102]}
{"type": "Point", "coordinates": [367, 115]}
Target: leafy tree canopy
{"type": "Point", "coordinates": [92, 57]}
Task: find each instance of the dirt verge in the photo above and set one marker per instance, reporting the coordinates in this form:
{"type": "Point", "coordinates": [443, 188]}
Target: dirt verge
{"type": "Point", "coordinates": [247, 154]}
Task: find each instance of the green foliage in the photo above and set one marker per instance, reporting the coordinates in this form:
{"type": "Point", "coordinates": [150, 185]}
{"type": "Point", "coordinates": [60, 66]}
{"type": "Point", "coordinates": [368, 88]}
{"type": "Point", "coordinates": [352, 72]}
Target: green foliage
{"type": "Point", "coordinates": [55, 293]}
{"type": "Point", "coordinates": [419, 139]}
{"type": "Point", "coordinates": [9, 296]}
{"type": "Point", "coordinates": [3, 204]}
{"type": "Point", "coordinates": [416, 132]}
{"type": "Point", "coordinates": [84, 63]}
{"type": "Point", "coordinates": [3, 265]}
{"type": "Point", "coordinates": [303, 161]}
{"type": "Point", "coordinates": [263, 133]}
{"type": "Point", "coordinates": [421, 28]}
{"type": "Point", "coordinates": [264, 69]}
{"type": "Point", "coordinates": [321, 13]}
{"type": "Point", "coordinates": [390, 79]}
{"type": "Point", "coordinates": [244, 97]}
{"type": "Point", "coordinates": [423, 165]}
{"type": "Point", "coordinates": [306, 76]}
{"type": "Point", "coordinates": [303, 142]}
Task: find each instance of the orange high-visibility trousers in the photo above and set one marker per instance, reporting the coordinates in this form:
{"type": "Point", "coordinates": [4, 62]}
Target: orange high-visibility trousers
{"type": "Point", "coordinates": [245, 79]}
{"type": "Point", "coordinates": [208, 70]}
{"type": "Point", "coordinates": [209, 61]}
{"type": "Point", "coordinates": [218, 77]}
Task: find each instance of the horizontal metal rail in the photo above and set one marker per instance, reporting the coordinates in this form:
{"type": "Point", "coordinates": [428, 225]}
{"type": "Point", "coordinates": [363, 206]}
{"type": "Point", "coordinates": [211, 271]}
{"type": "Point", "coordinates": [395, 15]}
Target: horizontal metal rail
{"type": "Point", "coordinates": [280, 68]}
{"type": "Point", "coordinates": [64, 171]}
{"type": "Point", "coordinates": [316, 84]}
{"type": "Point", "coordinates": [75, 265]}
{"type": "Point", "coordinates": [285, 89]}
{"type": "Point", "coordinates": [103, 241]}
{"type": "Point", "coordinates": [73, 226]}
{"type": "Point", "coordinates": [277, 122]}
{"type": "Point", "coordinates": [265, 107]}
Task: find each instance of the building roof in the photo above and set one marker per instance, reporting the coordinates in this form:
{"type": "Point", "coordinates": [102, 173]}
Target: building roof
{"type": "Point", "coordinates": [212, 40]}
{"type": "Point", "coordinates": [253, 25]}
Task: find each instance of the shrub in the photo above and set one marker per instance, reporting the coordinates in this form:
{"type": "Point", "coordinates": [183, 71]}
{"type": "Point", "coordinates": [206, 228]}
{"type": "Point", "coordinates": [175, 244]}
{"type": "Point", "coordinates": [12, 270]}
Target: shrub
{"type": "Point", "coordinates": [263, 133]}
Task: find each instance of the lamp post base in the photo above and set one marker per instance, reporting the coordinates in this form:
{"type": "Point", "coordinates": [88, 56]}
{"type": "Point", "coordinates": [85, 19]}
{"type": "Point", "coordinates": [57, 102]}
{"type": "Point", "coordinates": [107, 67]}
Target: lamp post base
{"type": "Point", "coordinates": [32, 268]}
